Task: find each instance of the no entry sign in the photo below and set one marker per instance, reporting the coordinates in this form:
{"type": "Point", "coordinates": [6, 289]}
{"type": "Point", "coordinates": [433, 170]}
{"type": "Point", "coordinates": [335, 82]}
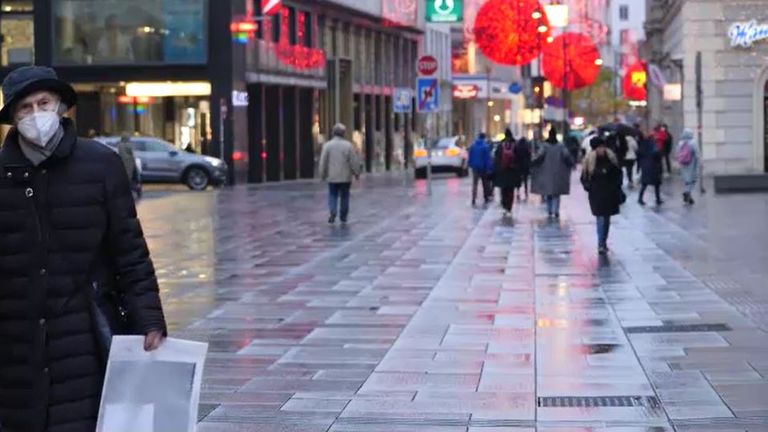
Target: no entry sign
{"type": "Point", "coordinates": [427, 65]}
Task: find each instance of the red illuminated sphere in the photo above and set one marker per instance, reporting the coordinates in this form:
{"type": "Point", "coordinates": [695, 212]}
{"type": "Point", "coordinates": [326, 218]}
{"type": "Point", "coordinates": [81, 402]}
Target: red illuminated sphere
{"type": "Point", "coordinates": [569, 61]}
{"type": "Point", "coordinates": [507, 33]}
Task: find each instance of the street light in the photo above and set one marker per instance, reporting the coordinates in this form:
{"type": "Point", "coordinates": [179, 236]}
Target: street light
{"type": "Point", "coordinates": [558, 18]}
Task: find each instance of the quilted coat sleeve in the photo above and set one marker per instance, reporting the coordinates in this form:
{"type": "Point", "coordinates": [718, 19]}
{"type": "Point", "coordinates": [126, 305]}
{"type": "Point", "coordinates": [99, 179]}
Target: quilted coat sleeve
{"type": "Point", "coordinates": [126, 244]}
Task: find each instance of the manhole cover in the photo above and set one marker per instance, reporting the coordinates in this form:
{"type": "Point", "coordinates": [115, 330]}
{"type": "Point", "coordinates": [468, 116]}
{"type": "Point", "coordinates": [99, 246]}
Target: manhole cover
{"type": "Point", "coordinates": [679, 328]}
{"type": "Point", "coordinates": [598, 401]}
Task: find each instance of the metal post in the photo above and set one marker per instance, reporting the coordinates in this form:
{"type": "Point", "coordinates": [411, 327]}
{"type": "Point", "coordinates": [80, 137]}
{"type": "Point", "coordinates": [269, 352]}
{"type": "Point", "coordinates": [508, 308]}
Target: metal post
{"type": "Point", "coordinates": [488, 101]}
{"type": "Point", "coordinates": [700, 120]}
{"type": "Point", "coordinates": [428, 145]}
{"type": "Point", "coordinates": [565, 87]}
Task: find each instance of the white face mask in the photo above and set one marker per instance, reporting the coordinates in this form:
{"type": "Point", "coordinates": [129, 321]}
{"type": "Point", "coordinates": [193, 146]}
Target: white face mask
{"type": "Point", "coordinates": [40, 127]}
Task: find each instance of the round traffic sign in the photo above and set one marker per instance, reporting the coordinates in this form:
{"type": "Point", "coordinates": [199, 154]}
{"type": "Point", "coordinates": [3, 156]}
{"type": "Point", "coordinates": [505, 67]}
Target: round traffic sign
{"type": "Point", "coordinates": [427, 65]}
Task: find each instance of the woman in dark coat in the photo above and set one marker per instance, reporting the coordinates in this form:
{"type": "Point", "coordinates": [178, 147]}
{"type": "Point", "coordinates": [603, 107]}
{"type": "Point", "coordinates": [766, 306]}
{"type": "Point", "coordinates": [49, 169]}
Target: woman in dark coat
{"type": "Point", "coordinates": [67, 225]}
{"type": "Point", "coordinates": [506, 173]}
{"type": "Point", "coordinates": [649, 160]}
{"type": "Point", "coordinates": [602, 178]}
{"type": "Point", "coordinates": [524, 165]}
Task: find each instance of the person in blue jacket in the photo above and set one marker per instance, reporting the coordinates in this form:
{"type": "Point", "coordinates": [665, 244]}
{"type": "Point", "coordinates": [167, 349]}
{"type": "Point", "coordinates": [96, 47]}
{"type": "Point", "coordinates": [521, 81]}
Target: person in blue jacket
{"type": "Point", "coordinates": [481, 166]}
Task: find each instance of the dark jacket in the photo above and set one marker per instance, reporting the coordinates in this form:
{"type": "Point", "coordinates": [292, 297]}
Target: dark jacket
{"type": "Point", "coordinates": [525, 155]}
{"type": "Point", "coordinates": [604, 187]}
{"type": "Point", "coordinates": [649, 162]}
{"type": "Point", "coordinates": [67, 223]}
{"type": "Point", "coordinates": [480, 156]}
{"type": "Point", "coordinates": [506, 178]}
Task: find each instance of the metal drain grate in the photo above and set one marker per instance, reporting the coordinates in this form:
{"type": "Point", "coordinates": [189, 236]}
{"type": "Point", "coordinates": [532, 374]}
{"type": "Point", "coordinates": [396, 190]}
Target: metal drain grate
{"type": "Point", "coordinates": [679, 328]}
{"type": "Point", "coordinates": [598, 401]}
{"type": "Point", "coordinates": [204, 410]}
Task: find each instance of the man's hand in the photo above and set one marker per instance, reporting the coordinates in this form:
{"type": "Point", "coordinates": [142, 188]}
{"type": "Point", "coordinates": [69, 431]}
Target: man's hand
{"type": "Point", "coordinates": [153, 340]}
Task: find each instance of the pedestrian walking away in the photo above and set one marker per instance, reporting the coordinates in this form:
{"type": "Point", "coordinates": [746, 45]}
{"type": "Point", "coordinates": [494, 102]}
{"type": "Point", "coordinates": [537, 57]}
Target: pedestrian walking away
{"type": "Point", "coordinates": [524, 165]}
{"type": "Point", "coordinates": [663, 141]}
{"type": "Point", "coordinates": [552, 173]}
{"type": "Point", "coordinates": [688, 158]}
{"type": "Point", "coordinates": [649, 163]}
{"type": "Point", "coordinates": [602, 178]}
{"type": "Point", "coordinates": [125, 150]}
{"type": "Point", "coordinates": [339, 164]}
{"type": "Point", "coordinates": [70, 239]}
{"type": "Point", "coordinates": [480, 162]}
{"type": "Point", "coordinates": [630, 159]}
{"type": "Point", "coordinates": [506, 174]}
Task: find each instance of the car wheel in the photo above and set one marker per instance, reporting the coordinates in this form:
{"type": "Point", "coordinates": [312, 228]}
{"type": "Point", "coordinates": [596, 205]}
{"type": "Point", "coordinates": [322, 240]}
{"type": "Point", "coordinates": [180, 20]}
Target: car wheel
{"type": "Point", "coordinates": [197, 179]}
{"type": "Point", "coordinates": [421, 173]}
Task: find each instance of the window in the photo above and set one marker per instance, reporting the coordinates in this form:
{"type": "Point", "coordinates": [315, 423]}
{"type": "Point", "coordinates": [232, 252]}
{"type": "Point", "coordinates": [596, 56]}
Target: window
{"type": "Point", "coordinates": [624, 12]}
{"type": "Point", "coordinates": [18, 32]}
{"type": "Point", "coordinates": [130, 32]}
{"type": "Point", "coordinates": [154, 146]}
{"type": "Point", "coordinates": [138, 144]}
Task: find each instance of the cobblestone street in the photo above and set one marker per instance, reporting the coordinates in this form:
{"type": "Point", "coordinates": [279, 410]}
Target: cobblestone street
{"type": "Point", "coordinates": [427, 315]}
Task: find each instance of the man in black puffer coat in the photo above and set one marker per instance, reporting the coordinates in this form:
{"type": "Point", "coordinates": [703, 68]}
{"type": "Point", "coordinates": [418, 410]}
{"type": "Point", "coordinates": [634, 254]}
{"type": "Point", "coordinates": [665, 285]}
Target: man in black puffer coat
{"type": "Point", "coordinates": [67, 223]}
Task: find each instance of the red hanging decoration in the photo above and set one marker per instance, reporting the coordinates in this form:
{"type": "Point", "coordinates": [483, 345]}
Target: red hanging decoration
{"type": "Point", "coordinates": [570, 61]}
{"type": "Point", "coordinates": [634, 82]}
{"type": "Point", "coordinates": [507, 32]}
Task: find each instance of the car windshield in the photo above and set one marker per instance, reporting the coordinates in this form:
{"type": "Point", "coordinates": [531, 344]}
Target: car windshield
{"type": "Point", "coordinates": [445, 143]}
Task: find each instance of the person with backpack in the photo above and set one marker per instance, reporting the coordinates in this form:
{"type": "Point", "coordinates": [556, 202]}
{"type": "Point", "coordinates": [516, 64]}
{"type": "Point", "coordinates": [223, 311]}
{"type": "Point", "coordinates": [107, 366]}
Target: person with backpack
{"type": "Point", "coordinates": [688, 158]}
{"type": "Point", "coordinates": [506, 171]}
{"type": "Point", "coordinates": [552, 173]}
{"type": "Point", "coordinates": [479, 163]}
{"type": "Point", "coordinates": [601, 178]}
{"type": "Point", "coordinates": [650, 166]}
{"type": "Point", "coordinates": [524, 165]}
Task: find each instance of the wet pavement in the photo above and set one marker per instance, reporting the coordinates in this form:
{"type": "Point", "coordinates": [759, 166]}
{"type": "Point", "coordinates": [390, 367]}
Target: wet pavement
{"type": "Point", "coordinates": [425, 314]}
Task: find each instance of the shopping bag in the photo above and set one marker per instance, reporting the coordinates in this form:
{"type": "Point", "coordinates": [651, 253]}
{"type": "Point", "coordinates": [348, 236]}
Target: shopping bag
{"type": "Point", "coordinates": [156, 391]}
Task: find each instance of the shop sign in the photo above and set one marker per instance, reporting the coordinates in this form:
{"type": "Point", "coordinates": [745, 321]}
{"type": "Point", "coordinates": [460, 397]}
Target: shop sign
{"type": "Point", "coordinates": [239, 98]}
{"type": "Point", "coordinates": [745, 34]}
{"type": "Point", "coordinates": [465, 91]}
{"type": "Point", "coordinates": [673, 92]}
{"type": "Point", "coordinates": [445, 11]}
{"type": "Point", "coordinates": [271, 7]}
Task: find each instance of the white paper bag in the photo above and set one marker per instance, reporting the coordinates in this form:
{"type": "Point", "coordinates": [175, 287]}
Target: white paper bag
{"type": "Point", "coordinates": [157, 391]}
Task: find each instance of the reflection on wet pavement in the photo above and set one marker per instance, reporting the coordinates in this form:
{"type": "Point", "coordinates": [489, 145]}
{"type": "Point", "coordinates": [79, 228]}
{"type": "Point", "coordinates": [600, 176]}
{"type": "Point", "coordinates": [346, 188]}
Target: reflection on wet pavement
{"type": "Point", "coordinates": [425, 314]}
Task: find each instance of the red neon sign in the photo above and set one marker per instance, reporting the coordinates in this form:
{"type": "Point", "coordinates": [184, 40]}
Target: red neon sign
{"type": "Point", "coordinates": [270, 7]}
{"type": "Point", "coordinates": [465, 91]}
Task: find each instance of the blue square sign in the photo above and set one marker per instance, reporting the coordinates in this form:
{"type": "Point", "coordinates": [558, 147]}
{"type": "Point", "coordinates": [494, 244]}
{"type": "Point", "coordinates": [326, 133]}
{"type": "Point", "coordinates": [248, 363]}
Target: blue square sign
{"type": "Point", "coordinates": [402, 99]}
{"type": "Point", "coordinates": [427, 95]}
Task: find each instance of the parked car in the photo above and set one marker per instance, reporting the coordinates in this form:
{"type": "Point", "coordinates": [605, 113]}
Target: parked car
{"type": "Point", "coordinates": [162, 162]}
{"type": "Point", "coordinates": [447, 156]}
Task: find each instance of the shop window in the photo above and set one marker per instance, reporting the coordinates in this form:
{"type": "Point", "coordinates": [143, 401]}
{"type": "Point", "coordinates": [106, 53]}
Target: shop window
{"type": "Point", "coordinates": [18, 32]}
{"type": "Point", "coordinates": [130, 32]}
{"type": "Point", "coordinates": [292, 36]}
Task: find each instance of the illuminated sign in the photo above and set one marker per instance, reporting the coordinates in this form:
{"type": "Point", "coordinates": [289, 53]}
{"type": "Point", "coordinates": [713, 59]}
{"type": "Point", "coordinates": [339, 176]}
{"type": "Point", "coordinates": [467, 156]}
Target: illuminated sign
{"type": "Point", "coordinates": [270, 7]}
{"type": "Point", "coordinates": [745, 34]}
{"type": "Point", "coordinates": [445, 11]}
{"type": "Point", "coordinates": [465, 91]}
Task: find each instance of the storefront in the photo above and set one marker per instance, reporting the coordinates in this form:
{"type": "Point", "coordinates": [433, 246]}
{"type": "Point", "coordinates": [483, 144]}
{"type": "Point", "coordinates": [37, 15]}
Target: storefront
{"type": "Point", "coordinates": [148, 67]}
{"type": "Point", "coordinates": [731, 39]}
{"type": "Point", "coordinates": [485, 105]}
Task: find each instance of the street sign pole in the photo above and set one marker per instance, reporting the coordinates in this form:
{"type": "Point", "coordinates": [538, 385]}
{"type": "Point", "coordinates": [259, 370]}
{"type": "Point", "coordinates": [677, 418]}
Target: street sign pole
{"type": "Point", "coordinates": [427, 103]}
{"type": "Point", "coordinates": [700, 120]}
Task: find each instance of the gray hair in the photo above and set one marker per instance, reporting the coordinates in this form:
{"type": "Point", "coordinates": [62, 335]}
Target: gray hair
{"type": "Point", "coordinates": [339, 130]}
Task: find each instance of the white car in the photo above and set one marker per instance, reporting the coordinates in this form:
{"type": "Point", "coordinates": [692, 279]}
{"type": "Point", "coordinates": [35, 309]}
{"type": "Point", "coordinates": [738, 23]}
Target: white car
{"type": "Point", "coordinates": [447, 156]}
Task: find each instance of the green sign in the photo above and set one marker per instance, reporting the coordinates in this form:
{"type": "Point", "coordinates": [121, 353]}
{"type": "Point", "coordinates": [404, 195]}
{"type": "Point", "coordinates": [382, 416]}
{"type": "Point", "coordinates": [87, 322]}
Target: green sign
{"type": "Point", "coordinates": [445, 11]}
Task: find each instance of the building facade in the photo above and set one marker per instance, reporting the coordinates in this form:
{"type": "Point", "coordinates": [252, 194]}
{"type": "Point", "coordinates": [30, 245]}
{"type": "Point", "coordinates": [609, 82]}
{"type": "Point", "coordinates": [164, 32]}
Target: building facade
{"type": "Point", "coordinates": [725, 98]}
{"type": "Point", "coordinates": [199, 74]}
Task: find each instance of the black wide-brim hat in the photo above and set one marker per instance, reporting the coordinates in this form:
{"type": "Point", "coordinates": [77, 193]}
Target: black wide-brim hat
{"type": "Point", "coordinates": [26, 80]}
